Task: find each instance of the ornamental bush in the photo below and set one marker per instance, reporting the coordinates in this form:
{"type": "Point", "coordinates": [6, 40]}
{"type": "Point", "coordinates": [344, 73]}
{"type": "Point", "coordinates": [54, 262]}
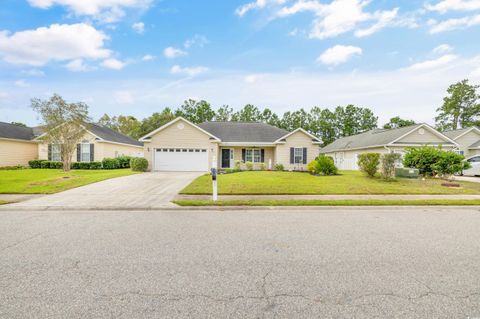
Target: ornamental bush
{"type": "Point", "coordinates": [249, 166]}
{"type": "Point", "coordinates": [124, 161]}
{"type": "Point", "coordinates": [312, 167]}
{"type": "Point", "coordinates": [368, 163]}
{"type": "Point", "coordinates": [423, 158]}
{"type": "Point", "coordinates": [36, 163]}
{"type": "Point", "coordinates": [51, 164]}
{"type": "Point", "coordinates": [110, 163]}
{"type": "Point", "coordinates": [237, 165]}
{"type": "Point", "coordinates": [87, 165]}
{"type": "Point", "coordinates": [326, 165]}
{"type": "Point", "coordinates": [388, 165]}
{"type": "Point", "coordinates": [139, 164]}
{"type": "Point", "coordinates": [278, 167]}
{"type": "Point", "coordinates": [450, 163]}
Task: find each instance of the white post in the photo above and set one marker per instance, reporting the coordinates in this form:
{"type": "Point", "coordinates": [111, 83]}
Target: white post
{"type": "Point", "coordinates": [214, 179]}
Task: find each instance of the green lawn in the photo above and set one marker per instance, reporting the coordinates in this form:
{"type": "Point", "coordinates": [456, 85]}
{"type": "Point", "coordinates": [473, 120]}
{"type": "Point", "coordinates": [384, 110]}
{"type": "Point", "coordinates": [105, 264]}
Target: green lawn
{"type": "Point", "coordinates": [49, 181]}
{"type": "Point", "coordinates": [446, 202]}
{"type": "Point", "coordinates": [349, 182]}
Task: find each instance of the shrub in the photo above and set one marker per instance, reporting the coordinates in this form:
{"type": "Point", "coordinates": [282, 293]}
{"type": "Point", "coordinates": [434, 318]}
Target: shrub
{"type": "Point", "coordinates": [312, 167]}
{"type": "Point", "coordinates": [450, 163]}
{"type": "Point", "coordinates": [36, 163]}
{"type": "Point", "coordinates": [249, 166]}
{"type": "Point", "coordinates": [51, 164]}
{"type": "Point", "coordinates": [422, 158]}
{"type": "Point", "coordinates": [368, 163]}
{"type": "Point", "coordinates": [110, 163]}
{"type": "Point", "coordinates": [237, 165]}
{"type": "Point", "coordinates": [87, 165]}
{"type": "Point", "coordinates": [278, 167]}
{"type": "Point", "coordinates": [139, 164]}
{"type": "Point", "coordinates": [326, 165]}
{"type": "Point", "coordinates": [388, 165]}
{"type": "Point", "coordinates": [11, 168]}
{"type": "Point", "coordinates": [124, 161]}
{"type": "Point", "coordinates": [263, 166]}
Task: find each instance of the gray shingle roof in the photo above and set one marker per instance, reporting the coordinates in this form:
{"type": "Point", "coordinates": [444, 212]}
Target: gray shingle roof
{"type": "Point", "coordinates": [453, 134]}
{"type": "Point", "coordinates": [247, 132]}
{"type": "Point", "coordinates": [8, 130]}
{"type": "Point", "coordinates": [112, 136]}
{"type": "Point", "coordinates": [376, 137]}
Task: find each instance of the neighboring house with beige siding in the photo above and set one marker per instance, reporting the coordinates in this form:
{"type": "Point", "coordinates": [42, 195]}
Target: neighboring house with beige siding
{"type": "Point", "coordinates": [345, 150]}
{"type": "Point", "coordinates": [16, 145]}
{"type": "Point", "coordinates": [183, 146]}
{"type": "Point", "coordinates": [99, 142]}
{"type": "Point", "coordinates": [468, 140]}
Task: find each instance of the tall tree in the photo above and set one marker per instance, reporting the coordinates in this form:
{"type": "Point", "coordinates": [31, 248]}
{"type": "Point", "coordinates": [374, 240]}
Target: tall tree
{"type": "Point", "coordinates": [297, 119]}
{"type": "Point", "coordinates": [108, 121]}
{"type": "Point", "coordinates": [155, 121]}
{"type": "Point", "coordinates": [196, 112]}
{"type": "Point", "coordinates": [461, 107]}
{"type": "Point", "coordinates": [125, 124]}
{"type": "Point", "coordinates": [65, 124]}
{"type": "Point", "coordinates": [224, 114]}
{"type": "Point", "coordinates": [323, 125]}
{"type": "Point", "coordinates": [397, 121]}
{"type": "Point", "coordinates": [269, 117]}
{"type": "Point", "coordinates": [249, 113]}
{"type": "Point", "coordinates": [351, 120]}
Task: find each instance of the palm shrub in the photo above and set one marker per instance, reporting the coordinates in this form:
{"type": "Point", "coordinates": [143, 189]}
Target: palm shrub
{"type": "Point", "coordinates": [139, 164]}
{"type": "Point", "coordinates": [368, 163]}
{"type": "Point", "coordinates": [388, 165]}
{"type": "Point", "coordinates": [450, 163]}
{"type": "Point", "coordinates": [423, 158]}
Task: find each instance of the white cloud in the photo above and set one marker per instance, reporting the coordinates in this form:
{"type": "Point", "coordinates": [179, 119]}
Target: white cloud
{"type": "Point", "coordinates": [455, 23]}
{"type": "Point", "coordinates": [123, 97]}
{"type": "Point", "coordinates": [433, 64]}
{"type": "Point", "coordinates": [22, 84]}
{"type": "Point", "coordinates": [338, 54]}
{"type": "Point", "coordinates": [77, 65]}
{"type": "Point", "coordinates": [341, 16]}
{"type": "Point", "coordinates": [113, 64]}
{"type": "Point", "coordinates": [58, 42]}
{"type": "Point", "coordinates": [257, 4]}
{"type": "Point", "coordinates": [139, 27]}
{"type": "Point", "coordinates": [454, 5]}
{"type": "Point", "coordinates": [3, 95]}
{"type": "Point", "coordinates": [148, 57]}
{"type": "Point", "coordinates": [197, 40]}
{"type": "Point", "coordinates": [171, 52]}
{"type": "Point", "coordinates": [33, 72]}
{"type": "Point", "coordinates": [189, 71]}
{"type": "Point", "coordinates": [104, 10]}
{"type": "Point", "coordinates": [252, 78]}
{"type": "Point", "coordinates": [442, 48]}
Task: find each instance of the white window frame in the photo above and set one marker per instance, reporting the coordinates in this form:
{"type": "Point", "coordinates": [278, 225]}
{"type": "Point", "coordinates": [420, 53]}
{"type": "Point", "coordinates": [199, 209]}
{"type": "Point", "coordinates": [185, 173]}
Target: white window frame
{"type": "Point", "coordinates": [84, 144]}
{"type": "Point", "coordinates": [253, 155]}
{"type": "Point", "coordinates": [56, 153]}
{"type": "Point", "coordinates": [296, 156]}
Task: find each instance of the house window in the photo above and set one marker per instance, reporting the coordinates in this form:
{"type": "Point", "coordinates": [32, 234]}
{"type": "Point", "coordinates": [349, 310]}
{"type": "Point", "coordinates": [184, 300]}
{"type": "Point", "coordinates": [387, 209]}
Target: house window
{"type": "Point", "coordinates": [85, 151]}
{"type": "Point", "coordinates": [298, 155]}
{"type": "Point", "coordinates": [56, 155]}
{"type": "Point", "coordinates": [249, 155]}
{"type": "Point", "coordinates": [252, 155]}
{"type": "Point", "coordinates": [257, 156]}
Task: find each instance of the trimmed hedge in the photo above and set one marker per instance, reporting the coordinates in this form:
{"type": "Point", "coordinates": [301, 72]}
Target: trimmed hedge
{"type": "Point", "coordinates": [51, 164]}
{"type": "Point", "coordinates": [87, 165]}
{"type": "Point", "coordinates": [36, 163]}
{"type": "Point", "coordinates": [110, 163]}
{"type": "Point", "coordinates": [139, 164]}
{"type": "Point", "coordinates": [124, 161]}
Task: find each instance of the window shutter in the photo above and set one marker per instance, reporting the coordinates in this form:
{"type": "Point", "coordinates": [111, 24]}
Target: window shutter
{"type": "Point", "coordinates": [49, 152]}
{"type": "Point", "coordinates": [243, 155]}
{"type": "Point", "coordinates": [78, 152]}
{"type": "Point", "coordinates": [262, 155]}
{"type": "Point", "coordinates": [292, 155]}
{"type": "Point", "coordinates": [92, 152]}
{"type": "Point", "coordinates": [304, 155]}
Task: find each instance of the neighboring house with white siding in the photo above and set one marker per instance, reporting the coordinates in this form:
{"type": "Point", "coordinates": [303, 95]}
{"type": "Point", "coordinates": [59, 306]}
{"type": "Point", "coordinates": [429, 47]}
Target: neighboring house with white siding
{"type": "Point", "coordinates": [183, 146]}
{"type": "Point", "coordinates": [18, 145]}
{"type": "Point", "coordinates": [345, 150]}
{"type": "Point", "coordinates": [468, 140]}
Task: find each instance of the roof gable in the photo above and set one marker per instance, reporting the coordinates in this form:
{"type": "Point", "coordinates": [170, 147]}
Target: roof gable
{"type": "Point", "coordinates": [147, 137]}
{"type": "Point", "coordinates": [315, 139]}
{"type": "Point", "coordinates": [244, 132]}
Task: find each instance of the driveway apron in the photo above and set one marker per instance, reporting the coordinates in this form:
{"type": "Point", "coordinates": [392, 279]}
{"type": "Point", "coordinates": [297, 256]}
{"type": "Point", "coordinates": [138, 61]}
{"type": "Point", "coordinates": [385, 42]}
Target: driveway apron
{"type": "Point", "coordinates": [143, 191]}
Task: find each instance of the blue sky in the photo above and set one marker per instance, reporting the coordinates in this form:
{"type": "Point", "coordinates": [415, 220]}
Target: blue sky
{"type": "Point", "coordinates": [137, 56]}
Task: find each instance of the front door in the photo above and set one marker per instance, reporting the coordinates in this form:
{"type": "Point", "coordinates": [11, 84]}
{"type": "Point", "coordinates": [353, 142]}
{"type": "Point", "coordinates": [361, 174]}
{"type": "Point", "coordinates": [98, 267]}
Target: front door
{"type": "Point", "coordinates": [225, 158]}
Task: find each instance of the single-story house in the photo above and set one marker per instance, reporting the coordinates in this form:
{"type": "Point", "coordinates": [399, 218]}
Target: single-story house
{"type": "Point", "coordinates": [345, 150]}
{"type": "Point", "coordinates": [183, 146]}
{"type": "Point", "coordinates": [468, 140]}
{"type": "Point", "coordinates": [18, 145]}
{"type": "Point", "coordinates": [99, 142]}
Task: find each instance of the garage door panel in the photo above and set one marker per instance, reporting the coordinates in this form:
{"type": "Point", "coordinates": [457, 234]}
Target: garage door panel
{"type": "Point", "coordinates": [181, 159]}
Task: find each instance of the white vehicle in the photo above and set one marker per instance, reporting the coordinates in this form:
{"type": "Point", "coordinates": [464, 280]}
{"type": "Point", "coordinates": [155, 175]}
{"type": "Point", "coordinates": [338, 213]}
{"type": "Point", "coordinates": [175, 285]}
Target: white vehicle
{"type": "Point", "coordinates": [475, 169]}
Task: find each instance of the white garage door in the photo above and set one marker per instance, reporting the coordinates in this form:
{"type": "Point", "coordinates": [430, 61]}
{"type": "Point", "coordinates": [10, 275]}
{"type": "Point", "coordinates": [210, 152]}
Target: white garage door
{"type": "Point", "coordinates": [181, 159]}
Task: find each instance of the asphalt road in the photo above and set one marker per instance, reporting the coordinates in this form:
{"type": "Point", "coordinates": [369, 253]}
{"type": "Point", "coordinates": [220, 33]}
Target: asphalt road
{"type": "Point", "coordinates": [387, 263]}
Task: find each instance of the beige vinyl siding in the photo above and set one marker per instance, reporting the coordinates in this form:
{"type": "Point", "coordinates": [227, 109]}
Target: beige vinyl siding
{"type": "Point", "coordinates": [43, 148]}
{"type": "Point", "coordinates": [14, 152]}
{"type": "Point", "coordinates": [427, 137]}
{"type": "Point", "coordinates": [297, 139]}
{"type": "Point", "coordinates": [175, 137]}
{"type": "Point", "coordinates": [237, 156]}
{"type": "Point", "coordinates": [466, 140]}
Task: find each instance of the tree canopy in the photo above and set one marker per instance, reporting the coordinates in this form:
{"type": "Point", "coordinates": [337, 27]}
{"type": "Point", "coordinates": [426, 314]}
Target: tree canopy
{"type": "Point", "coordinates": [397, 122]}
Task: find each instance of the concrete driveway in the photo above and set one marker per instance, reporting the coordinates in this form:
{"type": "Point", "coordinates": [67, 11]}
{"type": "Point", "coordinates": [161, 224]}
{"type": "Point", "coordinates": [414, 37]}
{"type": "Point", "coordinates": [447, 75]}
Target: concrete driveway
{"type": "Point", "coordinates": [323, 263]}
{"type": "Point", "coordinates": [141, 191]}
